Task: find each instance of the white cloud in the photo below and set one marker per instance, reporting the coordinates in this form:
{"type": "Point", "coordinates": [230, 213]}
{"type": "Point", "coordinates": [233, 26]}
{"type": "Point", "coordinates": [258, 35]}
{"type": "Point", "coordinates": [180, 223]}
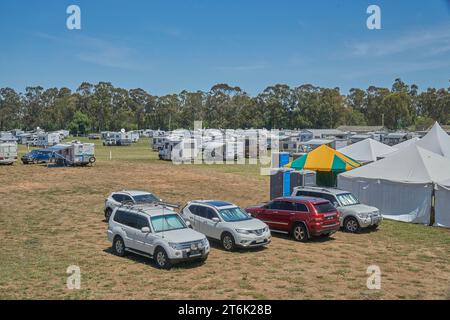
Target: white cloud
{"type": "Point", "coordinates": [428, 41]}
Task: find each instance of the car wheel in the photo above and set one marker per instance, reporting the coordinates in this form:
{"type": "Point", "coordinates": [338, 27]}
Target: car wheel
{"type": "Point", "coordinates": [108, 213]}
{"type": "Point", "coordinates": [300, 233]}
{"type": "Point", "coordinates": [351, 225]}
{"type": "Point", "coordinates": [161, 259]}
{"type": "Point", "coordinates": [119, 247]}
{"type": "Point", "coordinates": [228, 242]}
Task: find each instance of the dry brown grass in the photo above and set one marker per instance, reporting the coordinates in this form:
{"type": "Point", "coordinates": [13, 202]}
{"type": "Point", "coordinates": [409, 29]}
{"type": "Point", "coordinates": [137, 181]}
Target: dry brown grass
{"type": "Point", "coordinates": [52, 218]}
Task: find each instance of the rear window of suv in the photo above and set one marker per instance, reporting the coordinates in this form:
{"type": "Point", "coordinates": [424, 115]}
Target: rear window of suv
{"type": "Point", "coordinates": [324, 207]}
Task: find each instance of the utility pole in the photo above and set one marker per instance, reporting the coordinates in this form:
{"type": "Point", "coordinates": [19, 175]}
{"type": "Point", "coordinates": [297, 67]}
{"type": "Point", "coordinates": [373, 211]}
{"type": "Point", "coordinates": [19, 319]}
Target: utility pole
{"type": "Point", "coordinates": [382, 119]}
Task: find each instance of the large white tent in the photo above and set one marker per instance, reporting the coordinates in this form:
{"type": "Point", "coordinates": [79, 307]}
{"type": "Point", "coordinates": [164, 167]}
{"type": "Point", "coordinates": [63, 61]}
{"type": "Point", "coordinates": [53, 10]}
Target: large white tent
{"type": "Point", "coordinates": [437, 141]}
{"type": "Point", "coordinates": [367, 150]}
{"type": "Point", "coordinates": [400, 185]}
{"type": "Point", "coordinates": [442, 208]}
{"type": "Point", "coordinates": [407, 143]}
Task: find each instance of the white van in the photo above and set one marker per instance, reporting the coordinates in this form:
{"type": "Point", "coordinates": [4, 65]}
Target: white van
{"type": "Point", "coordinates": [8, 152]}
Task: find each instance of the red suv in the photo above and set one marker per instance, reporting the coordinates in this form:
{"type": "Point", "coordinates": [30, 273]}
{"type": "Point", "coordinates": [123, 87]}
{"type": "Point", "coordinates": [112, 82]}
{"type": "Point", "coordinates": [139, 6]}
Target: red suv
{"type": "Point", "coordinates": [301, 217]}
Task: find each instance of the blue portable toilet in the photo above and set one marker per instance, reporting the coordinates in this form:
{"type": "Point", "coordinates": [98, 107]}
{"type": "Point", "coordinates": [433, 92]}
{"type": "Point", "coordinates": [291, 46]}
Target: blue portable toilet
{"type": "Point", "coordinates": [284, 159]}
{"type": "Point", "coordinates": [287, 183]}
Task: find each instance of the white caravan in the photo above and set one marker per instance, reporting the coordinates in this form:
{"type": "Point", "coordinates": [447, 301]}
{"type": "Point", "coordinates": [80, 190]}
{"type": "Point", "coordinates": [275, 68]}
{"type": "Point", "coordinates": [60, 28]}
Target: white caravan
{"type": "Point", "coordinates": [8, 152]}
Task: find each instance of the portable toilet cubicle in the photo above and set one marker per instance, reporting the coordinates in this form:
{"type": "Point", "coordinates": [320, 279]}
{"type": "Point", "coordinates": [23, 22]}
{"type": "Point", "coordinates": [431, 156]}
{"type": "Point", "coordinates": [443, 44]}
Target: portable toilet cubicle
{"type": "Point", "coordinates": [280, 159]}
{"type": "Point", "coordinates": [284, 180]}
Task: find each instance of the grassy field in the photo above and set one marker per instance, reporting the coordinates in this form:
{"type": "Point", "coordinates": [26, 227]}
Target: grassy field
{"type": "Point", "coordinates": [51, 218]}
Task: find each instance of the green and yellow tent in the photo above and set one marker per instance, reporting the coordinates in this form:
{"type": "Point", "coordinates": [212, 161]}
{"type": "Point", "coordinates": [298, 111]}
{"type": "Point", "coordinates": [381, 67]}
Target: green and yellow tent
{"type": "Point", "coordinates": [327, 162]}
{"type": "Point", "coordinates": [324, 159]}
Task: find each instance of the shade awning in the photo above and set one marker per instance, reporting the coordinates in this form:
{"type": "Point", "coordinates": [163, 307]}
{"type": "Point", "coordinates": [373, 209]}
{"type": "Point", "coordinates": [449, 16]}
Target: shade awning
{"type": "Point", "coordinates": [324, 159]}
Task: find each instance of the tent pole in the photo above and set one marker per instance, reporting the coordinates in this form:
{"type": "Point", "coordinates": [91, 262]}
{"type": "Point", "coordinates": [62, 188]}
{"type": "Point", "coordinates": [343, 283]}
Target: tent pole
{"type": "Point", "coordinates": [433, 204]}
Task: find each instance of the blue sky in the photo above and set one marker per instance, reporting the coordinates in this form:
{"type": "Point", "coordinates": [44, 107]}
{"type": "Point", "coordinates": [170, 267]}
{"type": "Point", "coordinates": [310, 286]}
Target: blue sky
{"type": "Point", "coordinates": [167, 46]}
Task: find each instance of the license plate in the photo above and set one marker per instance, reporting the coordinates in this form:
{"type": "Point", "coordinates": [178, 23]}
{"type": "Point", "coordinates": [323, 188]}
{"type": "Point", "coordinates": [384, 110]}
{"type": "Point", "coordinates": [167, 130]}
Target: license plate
{"type": "Point", "coordinates": [259, 240]}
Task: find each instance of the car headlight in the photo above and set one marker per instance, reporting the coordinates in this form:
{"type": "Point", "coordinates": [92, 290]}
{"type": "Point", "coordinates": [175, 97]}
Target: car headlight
{"type": "Point", "coordinates": [205, 242]}
{"type": "Point", "coordinates": [266, 229]}
{"type": "Point", "coordinates": [243, 231]}
{"type": "Point", "coordinates": [175, 246]}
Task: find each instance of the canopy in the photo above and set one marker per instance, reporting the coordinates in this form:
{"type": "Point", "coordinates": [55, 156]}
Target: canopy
{"type": "Point", "coordinates": [412, 165]}
{"type": "Point", "coordinates": [324, 159]}
{"type": "Point", "coordinates": [436, 140]}
{"type": "Point", "coordinates": [442, 204]}
{"type": "Point", "coordinates": [367, 150]}
{"type": "Point", "coordinates": [406, 143]}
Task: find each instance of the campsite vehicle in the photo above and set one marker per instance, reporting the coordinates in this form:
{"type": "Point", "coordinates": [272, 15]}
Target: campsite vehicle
{"type": "Point", "coordinates": [46, 139]}
{"type": "Point", "coordinates": [8, 152]}
{"type": "Point", "coordinates": [226, 222]}
{"type": "Point", "coordinates": [134, 136]}
{"type": "Point", "coordinates": [94, 136]}
{"type": "Point", "coordinates": [36, 156]}
{"type": "Point", "coordinates": [121, 138]}
{"type": "Point", "coordinates": [74, 154]}
{"type": "Point", "coordinates": [156, 232]}
{"type": "Point", "coordinates": [301, 217]}
{"type": "Point", "coordinates": [353, 215]}
{"type": "Point", "coordinates": [116, 199]}
{"type": "Point", "coordinates": [178, 149]}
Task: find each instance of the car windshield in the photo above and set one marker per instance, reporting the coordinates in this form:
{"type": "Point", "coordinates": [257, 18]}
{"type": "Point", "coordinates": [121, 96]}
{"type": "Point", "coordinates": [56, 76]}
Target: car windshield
{"type": "Point", "coordinates": [145, 198]}
{"type": "Point", "coordinates": [347, 199]}
{"type": "Point", "coordinates": [233, 214]}
{"type": "Point", "coordinates": [167, 223]}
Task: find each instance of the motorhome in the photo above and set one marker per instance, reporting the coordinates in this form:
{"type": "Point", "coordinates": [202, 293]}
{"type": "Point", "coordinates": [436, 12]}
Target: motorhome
{"type": "Point", "coordinates": [47, 139]}
{"type": "Point", "coordinates": [8, 152]}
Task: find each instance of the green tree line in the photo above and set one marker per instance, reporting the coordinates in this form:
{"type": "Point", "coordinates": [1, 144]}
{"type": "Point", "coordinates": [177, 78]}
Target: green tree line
{"type": "Point", "coordinates": [102, 106]}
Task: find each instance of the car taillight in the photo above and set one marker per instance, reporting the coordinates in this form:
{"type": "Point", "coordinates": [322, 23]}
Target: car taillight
{"type": "Point", "coordinates": [1, 158]}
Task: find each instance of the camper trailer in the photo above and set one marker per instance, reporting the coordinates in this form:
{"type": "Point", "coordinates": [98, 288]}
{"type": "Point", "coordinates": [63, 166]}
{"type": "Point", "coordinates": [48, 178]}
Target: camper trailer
{"type": "Point", "coordinates": [8, 152]}
{"type": "Point", "coordinates": [47, 139]}
{"type": "Point", "coordinates": [178, 149]}
{"type": "Point", "coordinates": [134, 135]}
{"type": "Point", "coordinates": [116, 138]}
{"type": "Point", "coordinates": [74, 154]}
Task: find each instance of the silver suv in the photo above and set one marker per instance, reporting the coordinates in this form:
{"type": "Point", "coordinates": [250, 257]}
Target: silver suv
{"type": "Point", "coordinates": [226, 222]}
{"type": "Point", "coordinates": [116, 199]}
{"type": "Point", "coordinates": [156, 232]}
{"type": "Point", "coordinates": [354, 215]}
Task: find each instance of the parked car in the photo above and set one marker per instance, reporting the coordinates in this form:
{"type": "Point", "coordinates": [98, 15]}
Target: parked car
{"type": "Point", "coordinates": [226, 222]}
{"type": "Point", "coordinates": [116, 199]}
{"type": "Point", "coordinates": [36, 156]}
{"type": "Point", "coordinates": [155, 232]}
{"type": "Point", "coordinates": [109, 142]}
{"type": "Point", "coordinates": [354, 215]}
{"type": "Point", "coordinates": [300, 217]}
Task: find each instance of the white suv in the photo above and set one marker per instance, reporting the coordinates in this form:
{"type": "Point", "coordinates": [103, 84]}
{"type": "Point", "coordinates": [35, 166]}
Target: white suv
{"type": "Point", "coordinates": [226, 222]}
{"type": "Point", "coordinates": [155, 232]}
{"type": "Point", "coordinates": [354, 215]}
{"type": "Point", "coordinates": [116, 199]}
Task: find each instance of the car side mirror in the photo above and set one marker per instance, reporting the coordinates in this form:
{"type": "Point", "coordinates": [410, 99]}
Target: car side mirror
{"type": "Point", "coordinates": [188, 223]}
{"type": "Point", "coordinates": [145, 230]}
{"type": "Point", "coordinates": [215, 219]}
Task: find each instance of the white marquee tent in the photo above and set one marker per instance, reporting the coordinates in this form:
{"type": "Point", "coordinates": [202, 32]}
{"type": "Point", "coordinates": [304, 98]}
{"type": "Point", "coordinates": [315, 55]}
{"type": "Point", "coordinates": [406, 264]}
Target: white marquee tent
{"type": "Point", "coordinates": [406, 143]}
{"type": "Point", "coordinates": [437, 141]}
{"type": "Point", "coordinates": [400, 185]}
{"type": "Point", "coordinates": [442, 207]}
{"type": "Point", "coordinates": [367, 150]}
